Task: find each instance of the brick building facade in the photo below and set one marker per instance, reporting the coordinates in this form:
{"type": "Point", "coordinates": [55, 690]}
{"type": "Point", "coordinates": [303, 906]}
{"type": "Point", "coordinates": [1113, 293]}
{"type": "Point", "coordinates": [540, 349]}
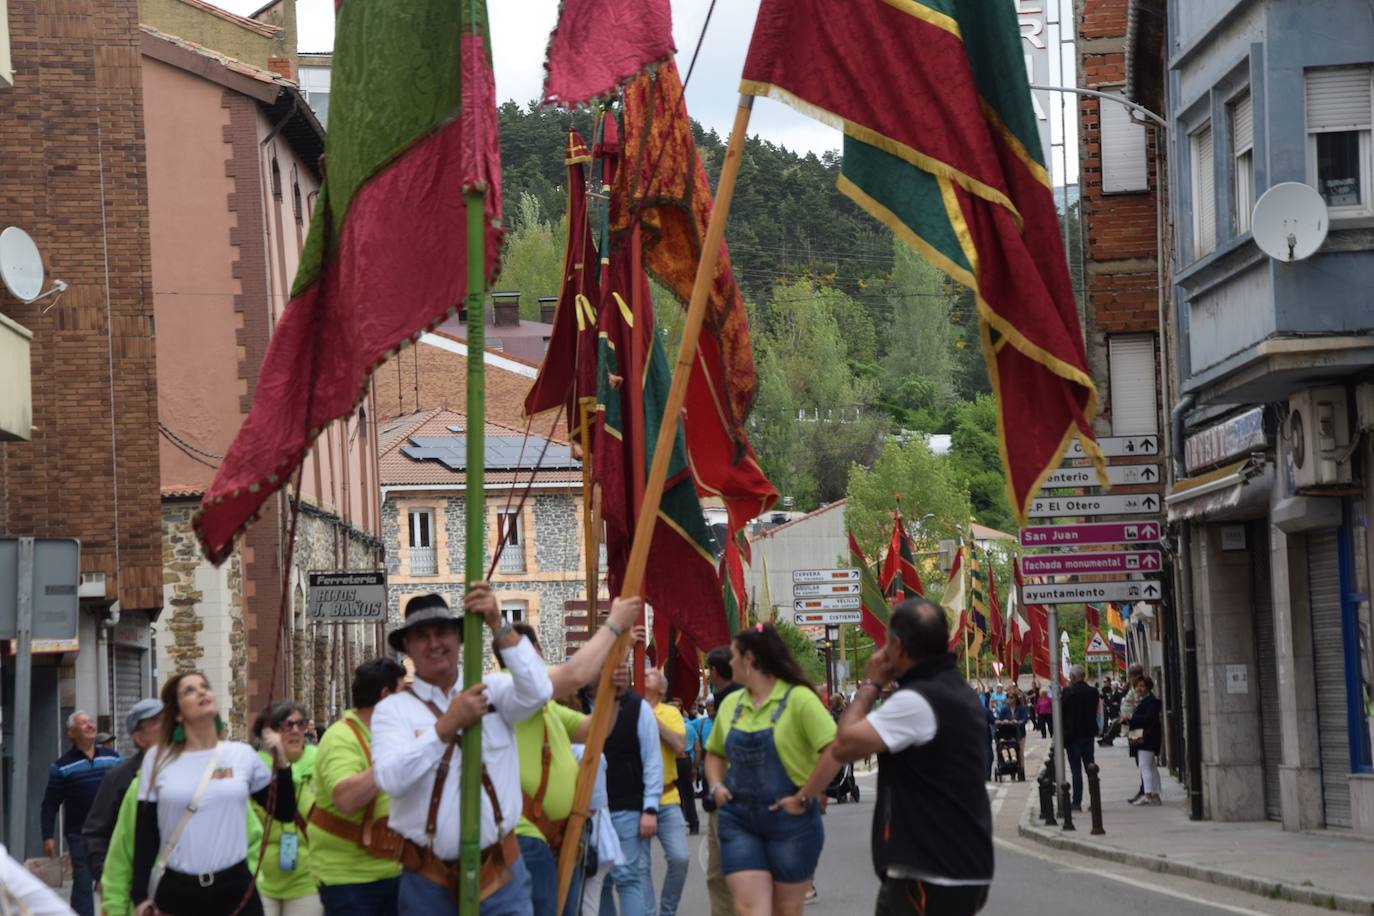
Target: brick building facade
{"type": "Point", "coordinates": [74, 178]}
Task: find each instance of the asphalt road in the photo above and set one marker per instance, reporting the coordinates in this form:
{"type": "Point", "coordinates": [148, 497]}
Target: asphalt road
{"type": "Point", "coordinates": [1030, 878]}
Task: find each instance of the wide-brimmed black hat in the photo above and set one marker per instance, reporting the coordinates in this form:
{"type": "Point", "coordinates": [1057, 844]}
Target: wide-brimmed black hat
{"type": "Point", "coordinates": [420, 610]}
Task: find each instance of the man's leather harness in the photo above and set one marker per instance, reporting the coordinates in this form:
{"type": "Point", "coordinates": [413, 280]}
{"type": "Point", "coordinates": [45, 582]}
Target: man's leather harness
{"type": "Point", "coordinates": [385, 843]}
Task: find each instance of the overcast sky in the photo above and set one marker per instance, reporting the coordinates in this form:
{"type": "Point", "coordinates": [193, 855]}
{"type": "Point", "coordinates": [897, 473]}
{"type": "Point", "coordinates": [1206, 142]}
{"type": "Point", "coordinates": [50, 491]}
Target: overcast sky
{"type": "Point", "coordinates": [520, 32]}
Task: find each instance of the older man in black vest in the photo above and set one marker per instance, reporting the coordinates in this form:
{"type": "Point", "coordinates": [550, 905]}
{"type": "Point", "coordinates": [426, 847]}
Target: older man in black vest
{"type": "Point", "coordinates": [932, 824]}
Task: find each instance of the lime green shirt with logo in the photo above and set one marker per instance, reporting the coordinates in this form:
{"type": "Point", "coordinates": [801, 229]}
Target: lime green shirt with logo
{"type": "Point", "coordinates": [299, 881]}
{"type": "Point", "coordinates": [559, 723]}
{"type": "Point", "coordinates": [336, 860]}
{"type": "Point", "coordinates": [799, 736]}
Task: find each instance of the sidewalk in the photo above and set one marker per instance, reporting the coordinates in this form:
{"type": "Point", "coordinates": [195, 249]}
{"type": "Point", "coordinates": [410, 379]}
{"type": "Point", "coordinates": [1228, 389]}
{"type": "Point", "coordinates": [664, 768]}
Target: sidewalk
{"type": "Point", "coordinates": [1329, 869]}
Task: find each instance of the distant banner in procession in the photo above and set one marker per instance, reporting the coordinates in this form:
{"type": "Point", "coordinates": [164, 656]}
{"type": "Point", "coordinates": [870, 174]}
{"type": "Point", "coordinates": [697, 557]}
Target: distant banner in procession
{"type": "Point", "coordinates": [347, 596]}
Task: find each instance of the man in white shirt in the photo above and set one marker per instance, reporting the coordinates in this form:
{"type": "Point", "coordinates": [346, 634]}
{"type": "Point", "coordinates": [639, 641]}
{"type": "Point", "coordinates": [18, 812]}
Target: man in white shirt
{"type": "Point", "coordinates": [414, 736]}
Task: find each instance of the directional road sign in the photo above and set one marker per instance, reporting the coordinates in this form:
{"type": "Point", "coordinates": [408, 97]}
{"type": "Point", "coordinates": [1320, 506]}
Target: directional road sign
{"type": "Point", "coordinates": [1079, 592]}
{"type": "Point", "coordinates": [1128, 474]}
{"type": "Point", "coordinates": [826, 618]}
{"type": "Point", "coordinates": [1067, 564]}
{"type": "Point", "coordinates": [1097, 649]}
{"type": "Point", "coordinates": [1118, 446]}
{"type": "Point", "coordinates": [1076, 506]}
{"type": "Point", "coordinates": [817, 589]}
{"type": "Point", "coordinates": [825, 575]}
{"type": "Point", "coordinates": [833, 603]}
{"type": "Point", "coordinates": [1094, 533]}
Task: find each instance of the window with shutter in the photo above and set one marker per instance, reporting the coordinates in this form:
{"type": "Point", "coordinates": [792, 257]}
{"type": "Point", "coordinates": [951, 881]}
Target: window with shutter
{"type": "Point", "coordinates": [1340, 109]}
{"type": "Point", "coordinates": [6, 70]}
{"type": "Point", "coordinates": [1242, 147]}
{"type": "Point", "coordinates": [1204, 193]}
{"type": "Point", "coordinates": [1124, 165]}
{"type": "Point", "coordinates": [1135, 405]}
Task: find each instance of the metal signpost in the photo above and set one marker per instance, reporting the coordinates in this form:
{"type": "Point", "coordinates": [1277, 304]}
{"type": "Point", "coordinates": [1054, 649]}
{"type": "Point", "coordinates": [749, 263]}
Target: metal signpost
{"type": "Point", "coordinates": [825, 597]}
{"type": "Point", "coordinates": [38, 584]}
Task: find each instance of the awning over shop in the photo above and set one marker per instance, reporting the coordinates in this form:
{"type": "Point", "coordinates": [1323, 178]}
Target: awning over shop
{"type": "Point", "coordinates": [1237, 490]}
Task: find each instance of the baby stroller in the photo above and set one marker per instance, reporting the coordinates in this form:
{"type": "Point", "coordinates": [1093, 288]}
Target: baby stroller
{"type": "Point", "coordinates": [844, 785]}
{"type": "Point", "coordinates": [1009, 762]}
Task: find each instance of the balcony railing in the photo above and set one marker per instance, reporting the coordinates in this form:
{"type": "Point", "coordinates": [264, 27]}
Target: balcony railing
{"type": "Point", "coordinates": [423, 561]}
{"type": "Point", "coordinates": [512, 559]}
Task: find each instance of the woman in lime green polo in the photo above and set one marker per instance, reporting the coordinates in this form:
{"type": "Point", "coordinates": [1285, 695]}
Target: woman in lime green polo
{"type": "Point", "coordinates": [767, 741]}
{"type": "Point", "coordinates": [286, 882]}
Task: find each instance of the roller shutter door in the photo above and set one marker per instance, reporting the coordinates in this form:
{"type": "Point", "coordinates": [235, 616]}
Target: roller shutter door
{"type": "Point", "coordinates": [128, 690]}
{"type": "Point", "coordinates": [1328, 651]}
{"type": "Point", "coordinates": [1271, 737]}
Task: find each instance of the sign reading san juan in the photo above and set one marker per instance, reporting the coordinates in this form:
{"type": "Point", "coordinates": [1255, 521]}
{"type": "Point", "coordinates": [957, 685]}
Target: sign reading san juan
{"type": "Point", "coordinates": [1125, 474]}
{"type": "Point", "coordinates": [1089, 534]}
{"type": "Point", "coordinates": [1080, 592]}
{"type": "Point", "coordinates": [347, 596]}
{"type": "Point", "coordinates": [1076, 506]}
{"type": "Point", "coordinates": [1068, 564]}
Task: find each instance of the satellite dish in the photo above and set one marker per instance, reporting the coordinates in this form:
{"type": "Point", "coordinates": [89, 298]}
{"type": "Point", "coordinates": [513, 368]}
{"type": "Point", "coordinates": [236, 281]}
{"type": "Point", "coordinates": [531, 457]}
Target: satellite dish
{"type": "Point", "coordinates": [21, 266]}
{"type": "Point", "coordinates": [1289, 221]}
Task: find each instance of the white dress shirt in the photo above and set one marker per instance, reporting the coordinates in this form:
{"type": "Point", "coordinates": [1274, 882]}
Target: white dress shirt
{"type": "Point", "coordinates": [406, 751]}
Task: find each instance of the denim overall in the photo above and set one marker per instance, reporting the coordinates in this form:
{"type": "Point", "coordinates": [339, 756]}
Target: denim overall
{"type": "Point", "coordinates": [752, 837]}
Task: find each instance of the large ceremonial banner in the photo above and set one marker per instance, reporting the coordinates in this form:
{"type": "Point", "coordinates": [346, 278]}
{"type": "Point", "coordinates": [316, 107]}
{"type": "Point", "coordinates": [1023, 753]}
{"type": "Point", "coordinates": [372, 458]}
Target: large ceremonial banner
{"type": "Point", "coordinates": [941, 145]}
{"type": "Point", "coordinates": [412, 127]}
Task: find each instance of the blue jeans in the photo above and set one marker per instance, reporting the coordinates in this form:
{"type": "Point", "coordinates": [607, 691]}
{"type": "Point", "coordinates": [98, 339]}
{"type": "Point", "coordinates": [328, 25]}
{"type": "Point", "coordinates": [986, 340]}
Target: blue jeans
{"type": "Point", "coordinates": [83, 882]}
{"type": "Point", "coordinates": [1080, 753]}
{"type": "Point", "coordinates": [420, 896]}
{"type": "Point", "coordinates": [755, 838]}
{"type": "Point", "coordinates": [626, 880]}
{"type": "Point", "coordinates": [543, 868]}
{"type": "Point", "coordinates": [375, 898]}
{"type": "Point", "coordinates": [672, 833]}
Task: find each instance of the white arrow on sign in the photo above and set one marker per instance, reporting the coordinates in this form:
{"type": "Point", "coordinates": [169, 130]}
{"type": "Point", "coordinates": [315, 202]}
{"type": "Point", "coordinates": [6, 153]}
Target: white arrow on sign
{"type": "Point", "coordinates": [1079, 592]}
{"type": "Point", "coordinates": [836, 603]}
{"type": "Point", "coordinates": [816, 589]}
{"type": "Point", "coordinates": [1118, 446]}
{"type": "Point", "coordinates": [1077, 506]}
{"type": "Point", "coordinates": [825, 575]}
{"type": "Point", "coordinates": [1127, 474]}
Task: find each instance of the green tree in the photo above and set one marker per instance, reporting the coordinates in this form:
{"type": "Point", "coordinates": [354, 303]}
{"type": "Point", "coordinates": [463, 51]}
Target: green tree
{"type": "Point", "coordinates": [803, 650]}
{"type": "Point", "coordinates": [928, 485]}
{"type": "Point", "coordinates": [977, 460]}
{"type": "Point", "coordinates": [532, 261]}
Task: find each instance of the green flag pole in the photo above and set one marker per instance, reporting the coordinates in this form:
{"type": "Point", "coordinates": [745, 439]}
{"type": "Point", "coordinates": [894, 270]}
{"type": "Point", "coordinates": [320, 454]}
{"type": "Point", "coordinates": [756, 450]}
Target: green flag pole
{"type": "Point", "coordinates": [470, 841]}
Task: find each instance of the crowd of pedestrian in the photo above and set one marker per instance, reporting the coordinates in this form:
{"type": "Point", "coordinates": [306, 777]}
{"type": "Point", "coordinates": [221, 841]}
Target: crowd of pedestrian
{"type": "Point", "coordinates": [365, 820]}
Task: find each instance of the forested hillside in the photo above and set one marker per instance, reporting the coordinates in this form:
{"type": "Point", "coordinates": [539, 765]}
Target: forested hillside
{"type": "Point", "coordinates": [863, 350]}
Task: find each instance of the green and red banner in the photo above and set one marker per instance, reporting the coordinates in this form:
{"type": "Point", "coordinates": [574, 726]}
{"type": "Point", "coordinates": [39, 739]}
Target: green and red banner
{"type": "Point", "coordinates": [899, 579]}
{"type": "Point", "coordinates": [732, 561]}
{"type": "Point", "coordinates": [941, 145]}
{"type": "Point", "coordinates": [574, 318]}
{"type": "Point", "coordinates": [412, 127]}
{"type": "Point", "coordinates": [872, 603]}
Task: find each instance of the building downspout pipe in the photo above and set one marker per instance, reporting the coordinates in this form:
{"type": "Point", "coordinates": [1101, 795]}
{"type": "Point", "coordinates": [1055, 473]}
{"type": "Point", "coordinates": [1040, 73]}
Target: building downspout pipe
{"type": "Point", "coordinates": [1191, 698]}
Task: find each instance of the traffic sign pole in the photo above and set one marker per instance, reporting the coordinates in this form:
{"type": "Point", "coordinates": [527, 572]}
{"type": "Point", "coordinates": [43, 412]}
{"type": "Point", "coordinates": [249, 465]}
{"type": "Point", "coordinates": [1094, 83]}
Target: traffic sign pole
{"type": "Point", "coordinates": [23, 702]}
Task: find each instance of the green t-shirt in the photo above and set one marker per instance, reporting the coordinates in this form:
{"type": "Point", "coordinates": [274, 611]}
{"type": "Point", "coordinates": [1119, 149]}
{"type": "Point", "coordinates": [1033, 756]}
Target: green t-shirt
{"type": "Point", "coordinates": [336, 860]}
{"type": "Point", "coordinates": [300, 881]}
{"type": "Point", "coordinates": [560, 722]}
{"type": "Point", "coordinates": [800, 735]}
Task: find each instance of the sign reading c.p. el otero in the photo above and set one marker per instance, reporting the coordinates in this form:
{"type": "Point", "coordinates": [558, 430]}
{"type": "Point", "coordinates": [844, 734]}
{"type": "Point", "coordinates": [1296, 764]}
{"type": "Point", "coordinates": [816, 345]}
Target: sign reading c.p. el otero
{"type": "Point", "coordinates": [347, 596]}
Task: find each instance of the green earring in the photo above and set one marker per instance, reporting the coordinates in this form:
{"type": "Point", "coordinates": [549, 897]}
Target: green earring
{"type": "Point", "coordinates": [179, 734]}
{"type": "Point", "coordinates": [219, 724]}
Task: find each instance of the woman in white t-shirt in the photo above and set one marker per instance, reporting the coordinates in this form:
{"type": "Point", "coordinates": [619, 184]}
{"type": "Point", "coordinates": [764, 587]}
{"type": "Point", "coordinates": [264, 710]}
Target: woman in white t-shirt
{"type": "Point", "coordinates": [206, 871]}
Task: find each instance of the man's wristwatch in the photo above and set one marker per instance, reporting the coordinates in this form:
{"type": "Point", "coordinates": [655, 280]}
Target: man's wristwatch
{"type": "Point", "coordinates": [653, 811]}
{"type": "Point", "coordinates": [502, 631]}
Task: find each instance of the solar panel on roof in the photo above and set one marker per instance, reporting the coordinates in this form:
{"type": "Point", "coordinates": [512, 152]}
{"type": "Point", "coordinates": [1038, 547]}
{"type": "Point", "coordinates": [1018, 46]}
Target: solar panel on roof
{"type": "Point", "coordinates": [502, 453]}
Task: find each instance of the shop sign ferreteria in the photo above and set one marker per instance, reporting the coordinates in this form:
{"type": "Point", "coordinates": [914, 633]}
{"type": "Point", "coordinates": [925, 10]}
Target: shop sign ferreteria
{"type": "Point", "coordinates": [347, 596]}
{"type": "Point", "coordinates": [1231, 438]}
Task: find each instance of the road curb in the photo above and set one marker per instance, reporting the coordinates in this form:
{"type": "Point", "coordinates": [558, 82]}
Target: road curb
{"type": "Point", "coordinates": [1274, 890]}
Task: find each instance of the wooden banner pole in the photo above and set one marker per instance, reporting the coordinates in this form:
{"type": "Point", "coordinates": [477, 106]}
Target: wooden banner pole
{"type": "Point", "coordinates": [569, 855]}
